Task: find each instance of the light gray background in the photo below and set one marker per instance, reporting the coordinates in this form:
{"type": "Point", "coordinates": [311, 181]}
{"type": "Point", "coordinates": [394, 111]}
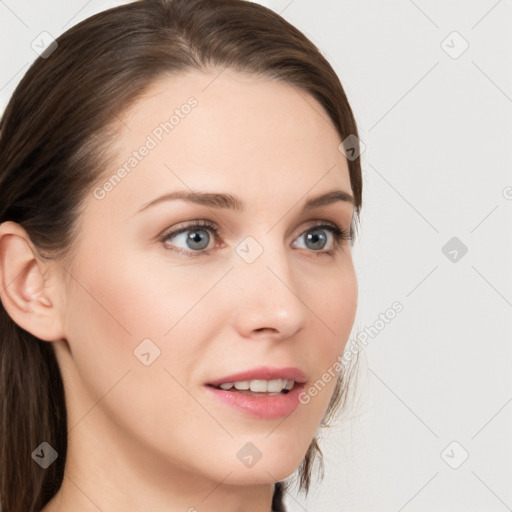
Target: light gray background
{"type": "Point", "coordinates": [438, 132]}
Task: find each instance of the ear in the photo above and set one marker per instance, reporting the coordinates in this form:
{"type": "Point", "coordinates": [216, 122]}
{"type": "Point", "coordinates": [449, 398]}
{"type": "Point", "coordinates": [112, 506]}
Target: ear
{"type": "Point", "coordinates": [24, 294]}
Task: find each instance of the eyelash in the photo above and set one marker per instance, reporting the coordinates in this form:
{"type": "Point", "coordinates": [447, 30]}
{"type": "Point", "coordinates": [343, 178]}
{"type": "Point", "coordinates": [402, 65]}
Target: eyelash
{"type": "Point", "coordinates": [340, 236]}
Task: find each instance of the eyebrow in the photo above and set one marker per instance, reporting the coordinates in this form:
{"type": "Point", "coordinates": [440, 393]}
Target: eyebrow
{"type": "Point", "coordinates": [228, 201]}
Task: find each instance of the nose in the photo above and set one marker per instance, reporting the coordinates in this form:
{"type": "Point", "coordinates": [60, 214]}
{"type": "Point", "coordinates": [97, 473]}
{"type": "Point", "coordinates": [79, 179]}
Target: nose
{"type": "Point", "coordinates": [268, 301]}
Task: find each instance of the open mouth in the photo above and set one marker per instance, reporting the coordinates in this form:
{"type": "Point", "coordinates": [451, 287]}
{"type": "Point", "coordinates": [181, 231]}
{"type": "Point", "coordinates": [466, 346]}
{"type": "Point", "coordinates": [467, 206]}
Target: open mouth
{"type": "Point", "coordinates": [258, 387]}
{"type": "Point", "coordinates": [258, 398]}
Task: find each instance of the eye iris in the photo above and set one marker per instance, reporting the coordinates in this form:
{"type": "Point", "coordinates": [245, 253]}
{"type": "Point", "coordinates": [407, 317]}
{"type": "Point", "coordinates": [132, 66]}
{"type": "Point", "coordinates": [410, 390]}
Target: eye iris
{"type": "Point", "coordinates": [198, 236]}
{"type": "Point", "coordinates": [316, 237]}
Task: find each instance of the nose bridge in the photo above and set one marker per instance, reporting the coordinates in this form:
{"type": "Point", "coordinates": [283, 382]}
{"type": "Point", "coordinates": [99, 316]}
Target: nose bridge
{"type": "Point", "coordinates": [267, 298]}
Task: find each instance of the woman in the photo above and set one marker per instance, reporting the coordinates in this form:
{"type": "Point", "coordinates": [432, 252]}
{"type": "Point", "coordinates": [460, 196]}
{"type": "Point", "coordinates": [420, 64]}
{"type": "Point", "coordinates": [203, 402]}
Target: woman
{"type": "Point", "coordinates": [177, 213]}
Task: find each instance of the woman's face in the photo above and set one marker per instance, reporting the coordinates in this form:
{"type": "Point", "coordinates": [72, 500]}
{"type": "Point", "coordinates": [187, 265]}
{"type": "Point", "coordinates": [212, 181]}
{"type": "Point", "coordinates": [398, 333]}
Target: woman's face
{"type": "Point", "coordinates": [153, 316]}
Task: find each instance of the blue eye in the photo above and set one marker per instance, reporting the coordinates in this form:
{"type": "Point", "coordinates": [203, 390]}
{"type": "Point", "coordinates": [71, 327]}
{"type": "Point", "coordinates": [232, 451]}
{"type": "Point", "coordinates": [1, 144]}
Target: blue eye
{"type": "Point", "coordinates": [316, 238]}
{"type": "Point", "coordinates": [196, 238]}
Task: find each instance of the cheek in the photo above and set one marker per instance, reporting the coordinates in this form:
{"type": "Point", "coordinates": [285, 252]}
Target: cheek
{"type": "Point", "coordinates": [122, 309]}
{"type": "Point", "coordinates": [333, 304]}
{"type": "Point", "coordinates": [115, 308]}
{"type": "Point", "coordinates": [335, 309]}
{"type": "Point", "coordinates": [133, 299]}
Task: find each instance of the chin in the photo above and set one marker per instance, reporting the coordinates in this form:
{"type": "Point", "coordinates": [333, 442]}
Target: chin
{"type": "Point", "coordinates": [259, 475]}
{"type": "Point", "coordinates": [277, 465]}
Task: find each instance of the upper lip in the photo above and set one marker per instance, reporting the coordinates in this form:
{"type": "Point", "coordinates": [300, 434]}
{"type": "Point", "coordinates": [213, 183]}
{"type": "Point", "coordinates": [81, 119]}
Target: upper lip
{"type": "Point", "coordinates": [263, 373]}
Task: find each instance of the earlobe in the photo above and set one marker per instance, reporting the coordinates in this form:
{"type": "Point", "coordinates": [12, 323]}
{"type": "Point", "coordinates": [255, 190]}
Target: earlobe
{"type": "Point", "coordinates": [22, 286]}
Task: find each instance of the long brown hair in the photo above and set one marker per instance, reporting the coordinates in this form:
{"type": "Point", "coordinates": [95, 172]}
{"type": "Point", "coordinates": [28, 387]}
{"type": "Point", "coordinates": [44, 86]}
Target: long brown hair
{"type": "Point", "coordinates": [54, 143]}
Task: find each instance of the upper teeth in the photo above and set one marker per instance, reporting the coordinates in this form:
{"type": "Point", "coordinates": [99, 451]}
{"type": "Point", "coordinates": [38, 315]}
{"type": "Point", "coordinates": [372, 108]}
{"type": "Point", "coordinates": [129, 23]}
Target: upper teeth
{"type": "Point", "coordinates": [272, 386]}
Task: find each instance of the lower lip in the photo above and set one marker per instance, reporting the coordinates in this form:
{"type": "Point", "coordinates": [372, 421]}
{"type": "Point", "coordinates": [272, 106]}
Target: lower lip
{"type": "Point", "coordinates": [261, 407]}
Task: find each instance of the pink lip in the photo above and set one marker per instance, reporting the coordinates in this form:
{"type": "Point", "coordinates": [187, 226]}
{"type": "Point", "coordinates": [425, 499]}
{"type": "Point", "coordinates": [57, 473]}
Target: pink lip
{"type": "Point", "coordinates": [263, 373]}
{"type": "Point", "coordinates": [261, 407]}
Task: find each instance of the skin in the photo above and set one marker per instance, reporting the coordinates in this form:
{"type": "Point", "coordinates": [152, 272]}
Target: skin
{"type": "Point", "coordinates": [151, 437]}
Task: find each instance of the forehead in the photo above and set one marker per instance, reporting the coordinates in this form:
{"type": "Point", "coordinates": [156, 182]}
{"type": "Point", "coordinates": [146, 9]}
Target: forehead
{"type": "Point", "coordinates": [226, 130]}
